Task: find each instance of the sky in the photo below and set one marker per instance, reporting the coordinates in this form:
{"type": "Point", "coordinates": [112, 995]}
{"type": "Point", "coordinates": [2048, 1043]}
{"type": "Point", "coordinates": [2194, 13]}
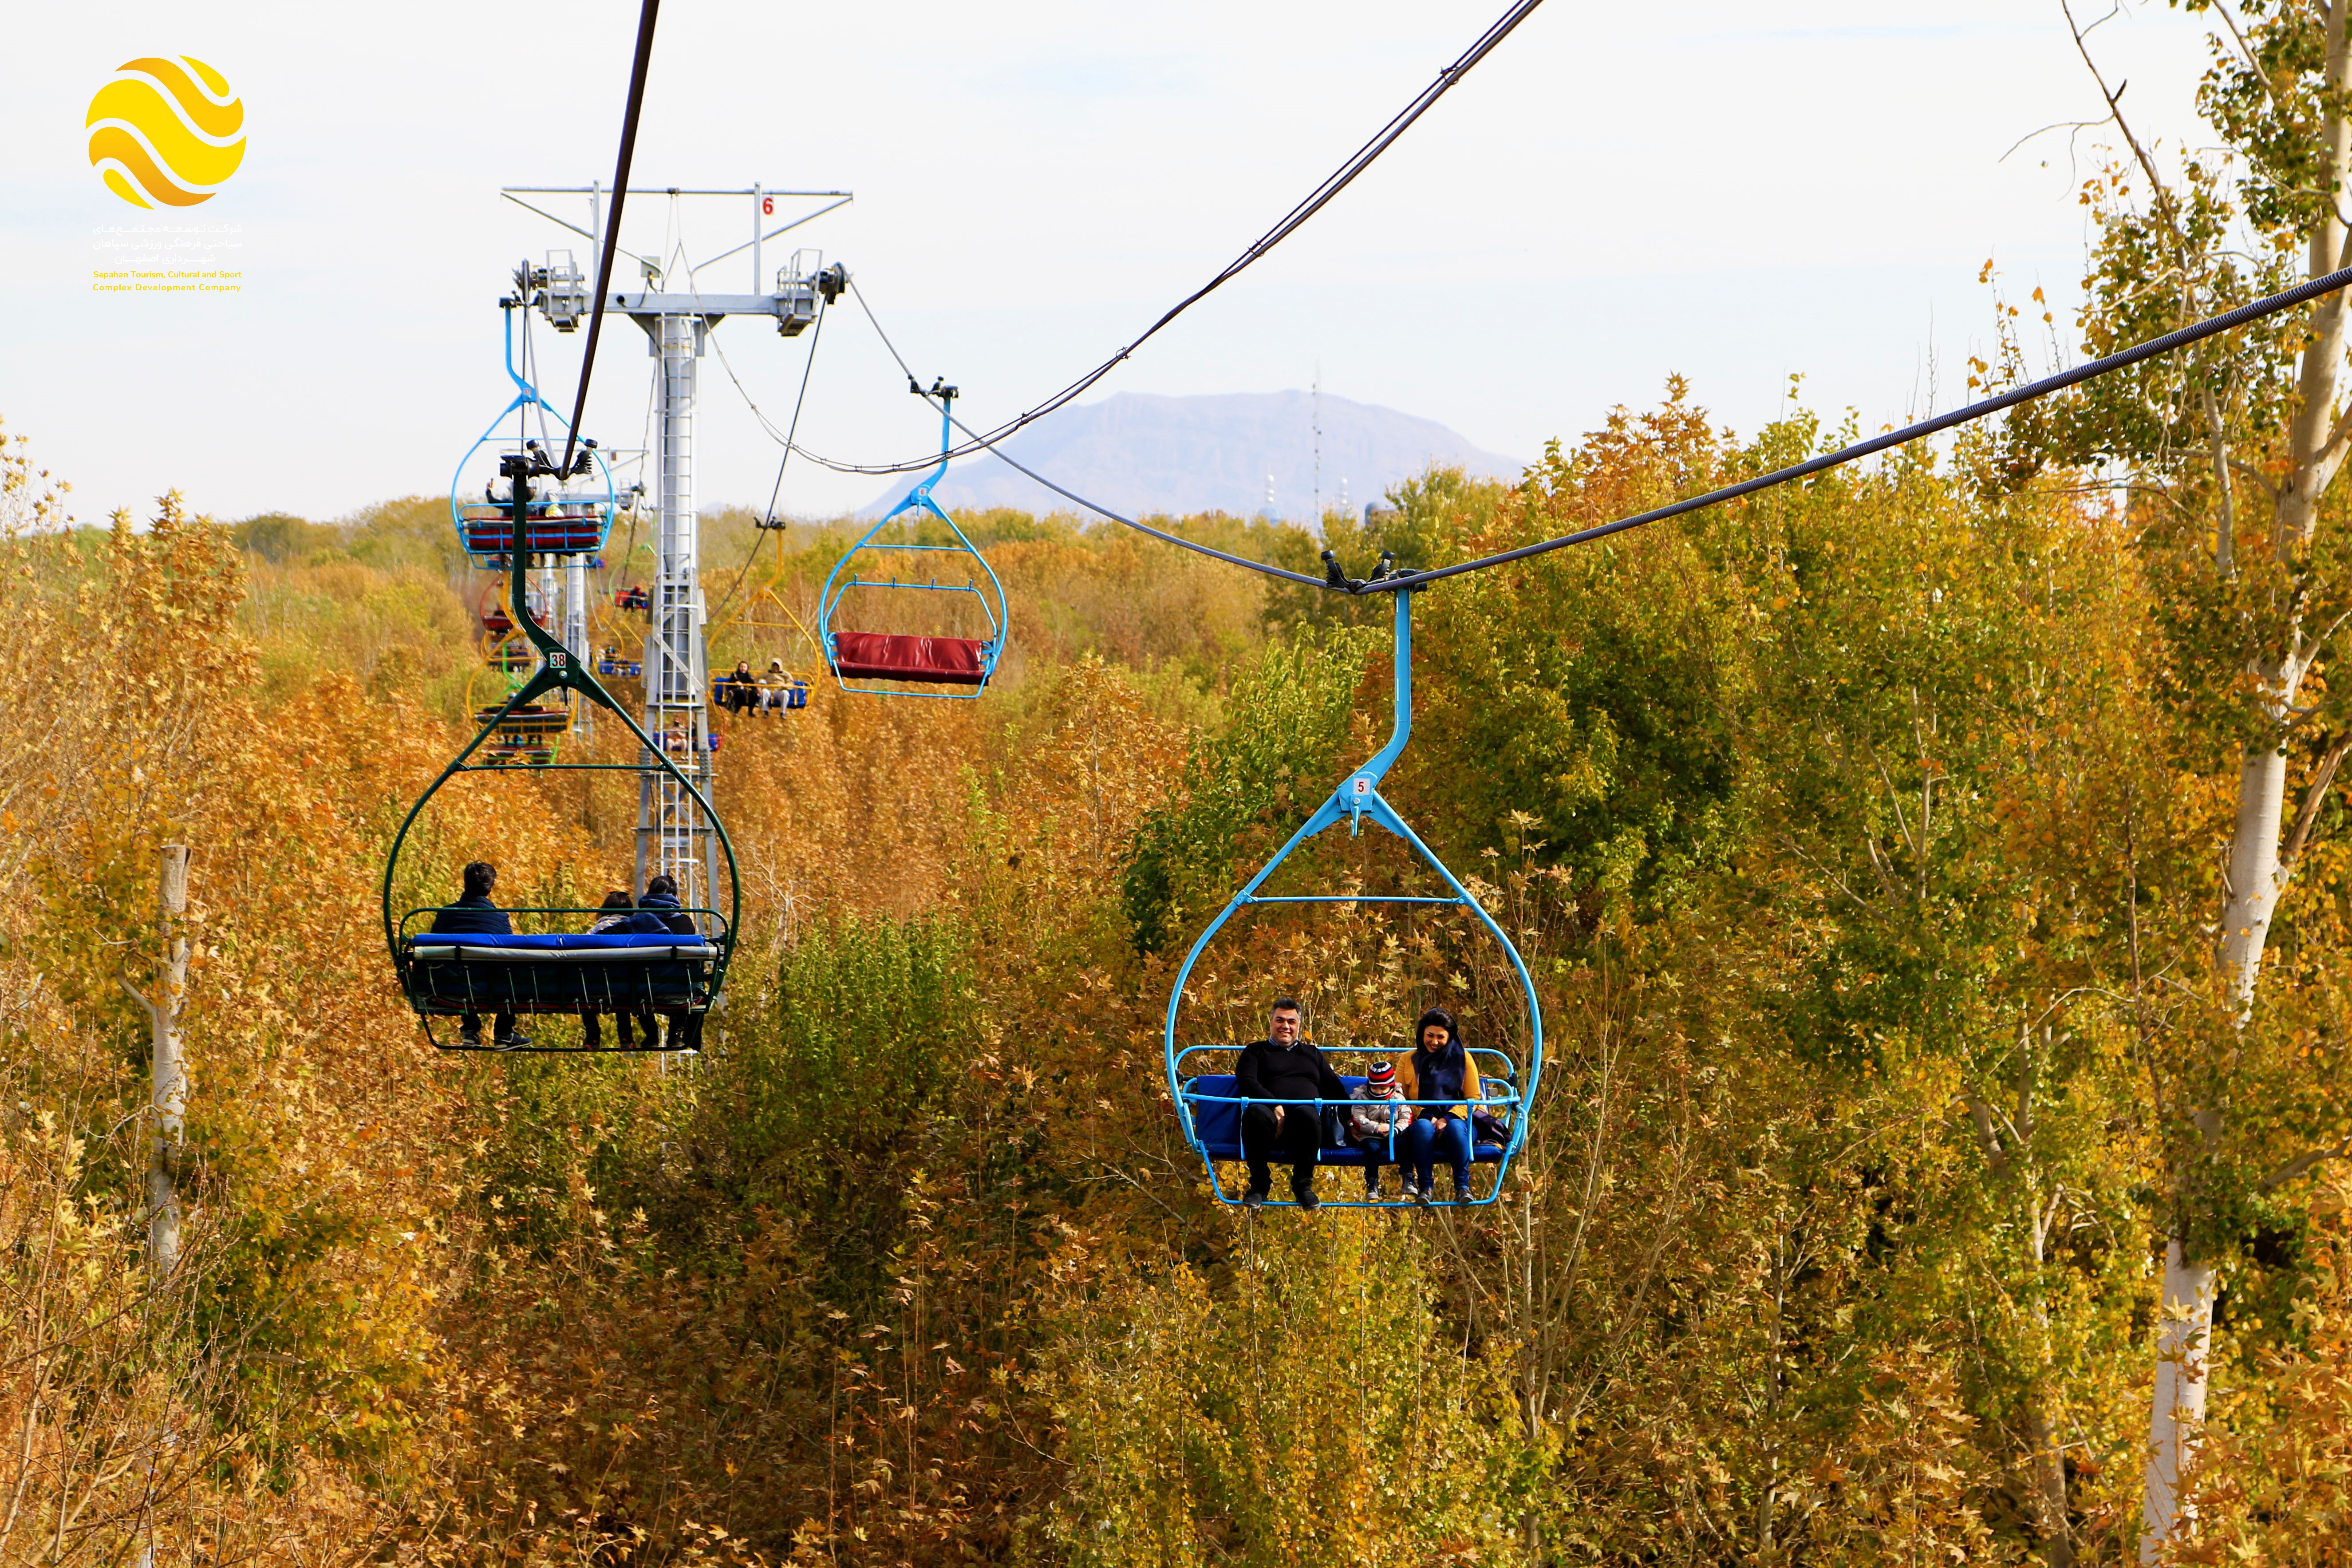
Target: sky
{"type": "Point", "coordinates": [1733, 193]}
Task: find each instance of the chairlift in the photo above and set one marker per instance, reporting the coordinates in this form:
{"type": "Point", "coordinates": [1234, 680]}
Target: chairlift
{"type": "Point", "coordinates": [576, 520]}
{"type": "Point", "coordinates": [913, 659]}
{"type": "Point", "coordinates": [447, 975]}
{"type": "Point", "coordinates": [771, 624]}
{"type": "Point", "coordinates": [511, 655]}
{"type": "Point", "coordinates": [1205, 1106]}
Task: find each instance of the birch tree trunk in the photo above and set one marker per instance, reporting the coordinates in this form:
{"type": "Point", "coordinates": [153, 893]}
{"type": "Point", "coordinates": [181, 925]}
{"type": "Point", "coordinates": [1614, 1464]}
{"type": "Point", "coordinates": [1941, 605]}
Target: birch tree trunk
{"type": "Point", "coordinates": [2316, 446]}
{"type": "Point", "coordinates": [169, 1084]}
{"type": "Point", "coordinates": [2184, 1329]}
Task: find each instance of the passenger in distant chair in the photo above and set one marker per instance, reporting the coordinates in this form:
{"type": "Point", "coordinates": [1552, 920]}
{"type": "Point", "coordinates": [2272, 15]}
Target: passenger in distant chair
{"type": "Point", "coordinates": [474, 915]}
{"type": "Point", "coordinates": [739, 688]}
{"type": "Point", "coordinates": [619, 910]}
{"type": "Point", "coordinates": [775, 687]}
{"type": "Point", "coordinates": [1438, 1069]}
{"type": "Point", "coordinates": [1284, 1066]}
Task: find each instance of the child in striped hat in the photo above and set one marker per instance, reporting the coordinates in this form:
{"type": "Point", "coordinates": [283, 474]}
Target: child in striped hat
{"type": "Point", "coordinates": [1375, 1120]}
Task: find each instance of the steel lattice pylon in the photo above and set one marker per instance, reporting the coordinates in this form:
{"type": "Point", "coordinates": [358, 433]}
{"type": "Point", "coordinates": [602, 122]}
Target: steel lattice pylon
{"type": "Point", "coordinates": [674, 836]}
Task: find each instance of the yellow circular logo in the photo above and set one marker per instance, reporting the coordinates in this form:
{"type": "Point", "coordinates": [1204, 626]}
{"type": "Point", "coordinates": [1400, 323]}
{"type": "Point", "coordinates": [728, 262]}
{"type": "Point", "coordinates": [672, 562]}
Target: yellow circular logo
{"type": "Point", "coordinates": [166, 133]}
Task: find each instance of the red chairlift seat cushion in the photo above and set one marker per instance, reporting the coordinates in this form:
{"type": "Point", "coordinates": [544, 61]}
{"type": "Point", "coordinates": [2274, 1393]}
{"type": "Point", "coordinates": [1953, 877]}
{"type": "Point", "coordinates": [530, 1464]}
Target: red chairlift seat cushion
{"type": "Point", "coordinates": [890, 655]}
{"type": "Point", "coordinates": [553, 533]}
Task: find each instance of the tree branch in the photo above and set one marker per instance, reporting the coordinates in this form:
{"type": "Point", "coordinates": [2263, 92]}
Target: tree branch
{"type": "Point", "coordinates": [2304, 1162]}
{"type": "Point", "coordinates": [2331, 451]}
{"type": "Point", "coordinates": [2322, 779]}
{"type": "Point", "coordinates": [140, 998]}
{"type": "Point", "coordinates": [2226, 530]}
{"type": "Point", "coordinates": [1982, 1112]}
{"type": "Point", "coordinates": [2247, 471]}
{"type": "Point", "coordinates": [2164, 198]}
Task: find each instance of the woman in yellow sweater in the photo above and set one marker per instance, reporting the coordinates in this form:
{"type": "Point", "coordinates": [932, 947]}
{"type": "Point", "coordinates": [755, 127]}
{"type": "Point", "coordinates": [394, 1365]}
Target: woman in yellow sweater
{"type": "Point", "coordinates": [1437, 1070]}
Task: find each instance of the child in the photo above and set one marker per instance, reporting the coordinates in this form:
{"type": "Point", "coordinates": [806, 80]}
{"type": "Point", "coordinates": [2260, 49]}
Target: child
{"type": "Point", "coordinates": [1372, 1122]}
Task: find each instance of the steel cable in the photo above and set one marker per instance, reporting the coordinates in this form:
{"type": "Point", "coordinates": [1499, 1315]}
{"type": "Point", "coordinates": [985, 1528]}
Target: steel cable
{"type": "Point", "coordinates": [988, 444]}
{"type": "Point", "coordinates": [2303, 293]}
{"type": "Point", "coordinates": [1314, 202]}
{"type": "Point", "coordinates": [2123, 358]}
{"type": "Point", "coordinates": [612, 222]}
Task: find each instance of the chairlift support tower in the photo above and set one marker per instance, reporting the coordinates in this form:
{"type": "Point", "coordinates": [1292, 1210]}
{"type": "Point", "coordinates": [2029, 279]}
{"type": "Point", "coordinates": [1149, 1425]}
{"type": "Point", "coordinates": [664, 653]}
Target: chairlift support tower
{"type": "Point", "coordinates": [672, 836]}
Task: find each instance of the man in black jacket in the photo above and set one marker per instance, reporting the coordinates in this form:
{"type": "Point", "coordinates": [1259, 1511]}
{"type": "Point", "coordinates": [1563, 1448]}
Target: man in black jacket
{"type": "Point", "coordinates": [1284, 1066]}
{"type": "Point", "coordinates": [474, 915]}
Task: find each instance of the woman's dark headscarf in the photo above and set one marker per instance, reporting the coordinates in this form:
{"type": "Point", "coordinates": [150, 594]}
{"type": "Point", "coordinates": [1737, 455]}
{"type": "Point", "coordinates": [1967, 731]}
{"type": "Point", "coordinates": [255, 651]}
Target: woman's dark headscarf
{"type": "Point", "coordinates": [1441, 1067]}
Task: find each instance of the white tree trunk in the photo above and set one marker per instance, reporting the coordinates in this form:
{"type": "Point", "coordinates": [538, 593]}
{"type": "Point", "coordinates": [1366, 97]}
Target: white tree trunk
{"type": "Point", "coordinates": [2316, 450]}
{"type": "Point", "coordinates": [170, 1081]}
{"type": "Point", "coordinates": [2253, 888]}
{"type": "Point", "coordinates": [2184, 1335]}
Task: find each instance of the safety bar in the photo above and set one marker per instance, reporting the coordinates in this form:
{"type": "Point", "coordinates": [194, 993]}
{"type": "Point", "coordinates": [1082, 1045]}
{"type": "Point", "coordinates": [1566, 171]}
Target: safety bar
{"type": "Point", "coordinates": [1387, 1053]}
{"type": "Point", "coordinates": [1187, 1094]}
{"type": "Point", "coordinates": [598, 913]}
{"type": "Point", "coordinates": [1346, 898]}
{"type": "Point", "coordinates": [933, 587]}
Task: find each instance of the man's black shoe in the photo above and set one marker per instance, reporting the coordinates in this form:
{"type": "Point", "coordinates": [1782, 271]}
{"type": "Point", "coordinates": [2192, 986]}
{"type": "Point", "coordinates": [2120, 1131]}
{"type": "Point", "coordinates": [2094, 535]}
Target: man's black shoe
{"type": "Point", "coordinates": [512, 1039]}
{"type": "Point", "coordinates": [1254, 1198]}
{"type": "Point", "coordinates": [470, 1036]}
{"type": "Point", "coordinates": [1306, 1199]}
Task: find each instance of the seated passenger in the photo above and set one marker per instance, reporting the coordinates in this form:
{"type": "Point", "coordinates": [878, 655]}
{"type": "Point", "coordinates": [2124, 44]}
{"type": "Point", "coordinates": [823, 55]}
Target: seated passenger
{"type": "Point", "coordinates": [1374, 1121]}
{"type": "Point", "coordinates": [474, 915]}
{"type": "Point", "coordinates": [657, 911]}
{"type": "Point", "coordinates": [1438, 1069]}
{"type": "Point", "coordinates": [1284, 1066]}
{"type": "Point", "coordinates": [739, 688]}
{"type": "Point", "coordinates": [619, 911]}
{"type": "Point", "coordinates": [775, 687]}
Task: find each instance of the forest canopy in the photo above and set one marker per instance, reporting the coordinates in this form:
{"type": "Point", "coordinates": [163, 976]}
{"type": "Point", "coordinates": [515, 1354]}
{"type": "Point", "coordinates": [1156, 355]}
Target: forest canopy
{"type": "Point", "coordinates": [1933, 876]}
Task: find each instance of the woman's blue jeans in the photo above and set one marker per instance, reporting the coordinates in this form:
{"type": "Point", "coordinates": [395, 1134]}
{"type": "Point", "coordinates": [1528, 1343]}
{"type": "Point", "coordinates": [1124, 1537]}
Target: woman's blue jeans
{"type": "Point", "coordinates": [1425, 1143]}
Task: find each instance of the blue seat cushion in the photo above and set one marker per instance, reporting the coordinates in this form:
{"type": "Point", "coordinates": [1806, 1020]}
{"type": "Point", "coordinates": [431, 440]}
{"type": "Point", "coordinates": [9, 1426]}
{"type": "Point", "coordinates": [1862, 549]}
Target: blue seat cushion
{"type": "Point", "coordinates": [617, 947]}
{"type": "Point", "coordinates": [1217, 1123]}
{"type": "Point", "coordinates": [566, 972]}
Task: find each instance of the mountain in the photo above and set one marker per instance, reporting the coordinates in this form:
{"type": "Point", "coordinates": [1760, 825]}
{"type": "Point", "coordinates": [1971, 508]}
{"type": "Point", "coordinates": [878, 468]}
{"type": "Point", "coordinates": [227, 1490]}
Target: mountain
{"type": "Point", "coordinates": [1141, 454]}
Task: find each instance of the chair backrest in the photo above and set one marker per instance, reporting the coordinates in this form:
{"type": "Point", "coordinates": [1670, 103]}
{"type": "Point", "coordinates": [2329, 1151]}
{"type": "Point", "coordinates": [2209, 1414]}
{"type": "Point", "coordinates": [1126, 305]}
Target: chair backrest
{"type": "Point", "coordinates": [1217, 1115]}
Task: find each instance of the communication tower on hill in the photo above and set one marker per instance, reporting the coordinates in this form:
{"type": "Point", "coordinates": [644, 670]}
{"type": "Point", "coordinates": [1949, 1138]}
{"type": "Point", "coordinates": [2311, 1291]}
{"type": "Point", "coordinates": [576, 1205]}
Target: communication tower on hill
{"type": "Point", "coordinates": [666, 299]}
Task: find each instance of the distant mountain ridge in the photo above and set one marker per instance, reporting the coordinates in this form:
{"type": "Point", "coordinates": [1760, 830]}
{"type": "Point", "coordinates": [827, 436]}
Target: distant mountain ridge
{"type": "Point", "coordinates": [1140, 453]}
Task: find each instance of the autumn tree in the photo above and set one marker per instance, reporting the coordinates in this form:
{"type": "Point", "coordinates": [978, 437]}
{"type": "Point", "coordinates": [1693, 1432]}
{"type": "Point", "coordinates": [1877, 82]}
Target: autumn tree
{"type": "Point", "coordinates": [2232, 453]}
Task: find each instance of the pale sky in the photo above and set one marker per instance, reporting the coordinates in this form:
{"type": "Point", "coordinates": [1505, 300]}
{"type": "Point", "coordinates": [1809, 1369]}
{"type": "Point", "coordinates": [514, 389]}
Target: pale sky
{"type": "Point", "coordinates": [1735, 193]}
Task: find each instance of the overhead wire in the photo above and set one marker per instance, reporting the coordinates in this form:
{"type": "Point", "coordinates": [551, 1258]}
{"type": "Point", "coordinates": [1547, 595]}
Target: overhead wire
{"type": "Point", "coordinates": [694, 290]}
{"type": "Point", "coordinates": [989, 444]}
{"type": "Point", "coordinates": [1314, 202]}
{"type": "Point", "coordinates": [612, 224]}
{"type": "Point", "coordinates": [816, 335]}
{"type": "Point", "coordinates": [2123, 358]}
{"type": "Point", "coordinates": [2271, 305]}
